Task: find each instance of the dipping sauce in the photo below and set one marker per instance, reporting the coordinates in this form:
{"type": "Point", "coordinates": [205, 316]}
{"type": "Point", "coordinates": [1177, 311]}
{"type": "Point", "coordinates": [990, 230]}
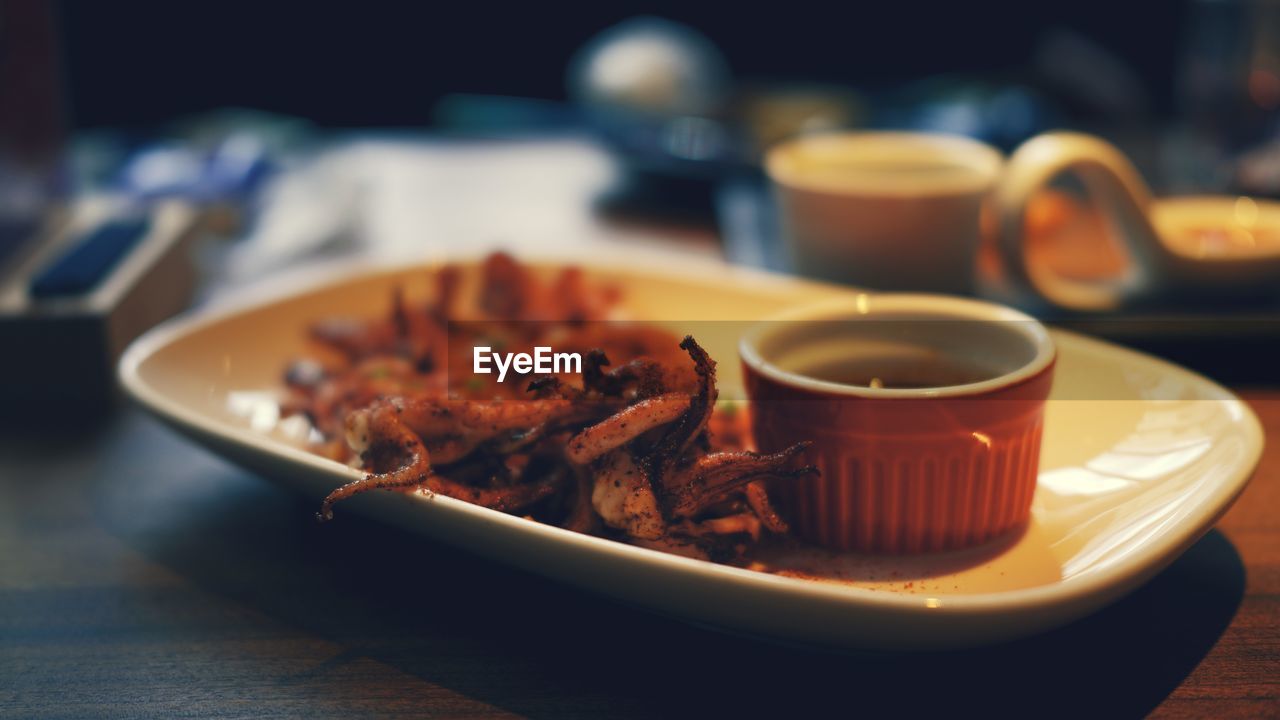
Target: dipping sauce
{"type": "Point", "coordinates": [894, 373]}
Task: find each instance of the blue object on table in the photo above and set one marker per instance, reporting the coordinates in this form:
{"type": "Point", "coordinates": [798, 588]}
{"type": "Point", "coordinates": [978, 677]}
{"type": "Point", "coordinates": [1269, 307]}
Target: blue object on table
{"type": "Point", "coordinates": [232, 170]}
{"type": "Point", "coordinates": [90, 259]}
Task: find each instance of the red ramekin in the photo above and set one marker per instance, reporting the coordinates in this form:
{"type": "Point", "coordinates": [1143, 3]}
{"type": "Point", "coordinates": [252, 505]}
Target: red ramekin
{"type": "Point", "coordinates": [905, 470]}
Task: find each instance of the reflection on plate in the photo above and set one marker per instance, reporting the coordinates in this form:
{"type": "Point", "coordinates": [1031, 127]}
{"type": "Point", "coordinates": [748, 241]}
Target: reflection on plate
{"type": "Point", "coordinates": [1139, 459]}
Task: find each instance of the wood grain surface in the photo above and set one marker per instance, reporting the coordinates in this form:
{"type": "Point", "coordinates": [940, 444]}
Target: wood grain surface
{"type": "Point", "coordinates": [141, 576]}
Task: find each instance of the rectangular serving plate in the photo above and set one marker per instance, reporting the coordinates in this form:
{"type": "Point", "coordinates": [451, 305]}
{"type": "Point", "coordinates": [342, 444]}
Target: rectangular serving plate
{"type": "Point", "coordinates": [1140, 458]}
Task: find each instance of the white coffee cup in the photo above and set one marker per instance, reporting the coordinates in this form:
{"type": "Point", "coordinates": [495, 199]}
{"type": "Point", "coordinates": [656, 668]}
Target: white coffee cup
{"type": "Point", "coordinates": [884, 210]}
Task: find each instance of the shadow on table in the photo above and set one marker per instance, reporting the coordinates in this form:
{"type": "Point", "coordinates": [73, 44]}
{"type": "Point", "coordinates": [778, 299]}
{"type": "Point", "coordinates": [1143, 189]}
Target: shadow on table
{"type": "Point", "coordinates": [534, 647]}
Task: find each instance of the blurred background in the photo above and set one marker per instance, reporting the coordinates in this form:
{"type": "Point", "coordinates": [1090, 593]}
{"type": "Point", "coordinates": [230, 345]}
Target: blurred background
{"type": "Point", "coordinates": [259, 136]}
{"type": "Point", "coordinates": [1203, 75]}
{"type": "Point", "coordinates": [390, 64]}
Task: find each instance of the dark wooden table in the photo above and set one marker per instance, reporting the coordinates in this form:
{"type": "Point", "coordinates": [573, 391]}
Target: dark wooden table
{"type": "Point", "coordinates": [140, 575]}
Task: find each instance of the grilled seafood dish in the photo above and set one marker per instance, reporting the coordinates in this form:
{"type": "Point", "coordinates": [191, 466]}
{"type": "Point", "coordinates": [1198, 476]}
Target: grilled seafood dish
{"type": "Point", "coordinates": [624, 449]}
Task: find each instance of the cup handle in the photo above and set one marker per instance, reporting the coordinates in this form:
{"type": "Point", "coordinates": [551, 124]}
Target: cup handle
{"type": "Point", "coordinates": [1117, 190]}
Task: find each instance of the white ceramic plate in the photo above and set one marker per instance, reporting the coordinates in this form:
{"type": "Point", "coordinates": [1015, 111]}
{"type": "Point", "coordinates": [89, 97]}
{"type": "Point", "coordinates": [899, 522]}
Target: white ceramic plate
{"type": "Point", "coordinates": [1140, 458]}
